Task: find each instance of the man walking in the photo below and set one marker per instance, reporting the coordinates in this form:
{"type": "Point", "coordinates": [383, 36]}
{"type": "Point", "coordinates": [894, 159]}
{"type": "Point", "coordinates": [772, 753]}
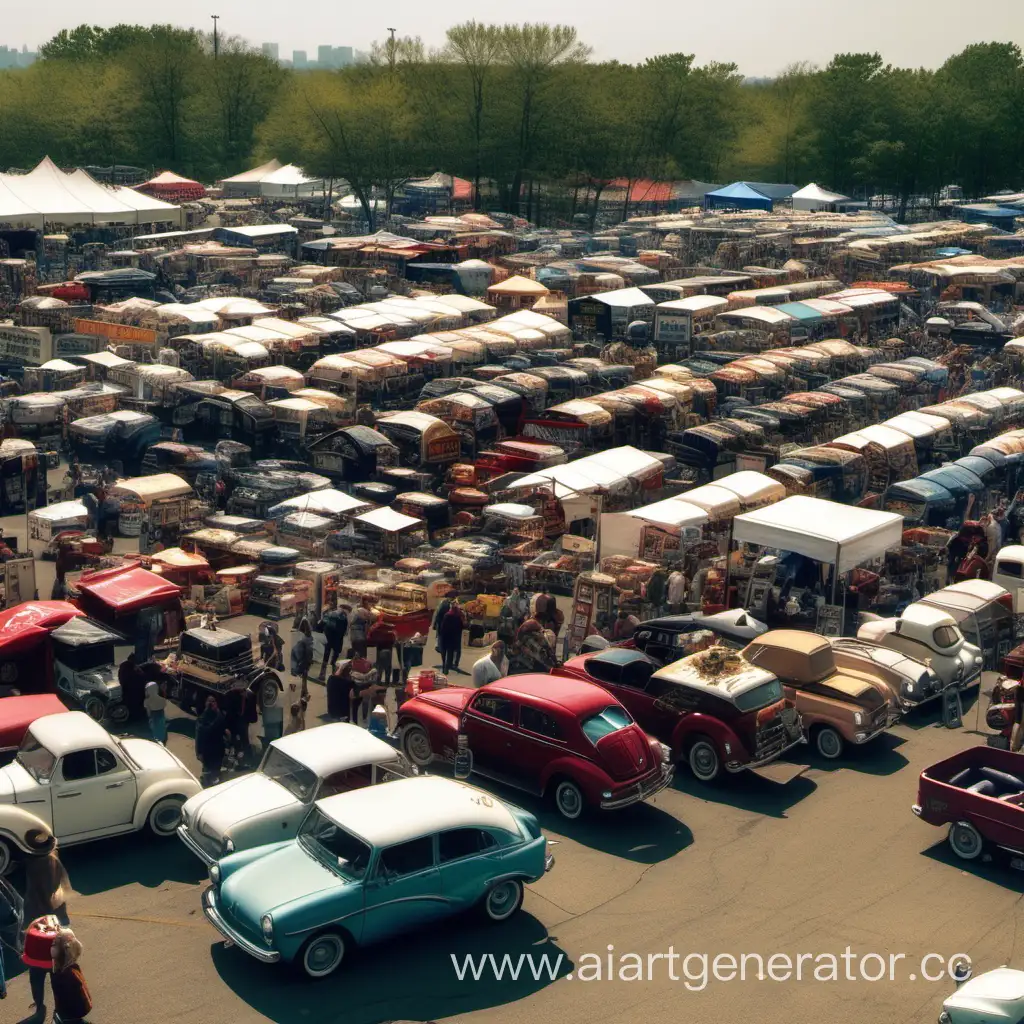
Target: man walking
{"type": "Point", "coordinates": [335, 626]}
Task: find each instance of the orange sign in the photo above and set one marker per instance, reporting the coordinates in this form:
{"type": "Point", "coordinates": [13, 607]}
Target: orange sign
{"type": "Point", "coordinates": [116, 332]}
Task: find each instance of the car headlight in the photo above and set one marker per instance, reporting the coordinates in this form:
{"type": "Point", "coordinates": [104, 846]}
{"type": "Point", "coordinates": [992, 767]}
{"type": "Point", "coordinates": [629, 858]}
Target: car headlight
{"type": "Point", "coordinates": [215, 874]}
{"type": "Point", "coordinates": [666, 753]}
{"type": "Point", "coordinates": [267, 927]}
{"type": "Point", "coordinates": [858, 718]}
{"type": "Point", "coordinates": [229, 846]}
{"type": "Point", "coordinates": [944, 1018]}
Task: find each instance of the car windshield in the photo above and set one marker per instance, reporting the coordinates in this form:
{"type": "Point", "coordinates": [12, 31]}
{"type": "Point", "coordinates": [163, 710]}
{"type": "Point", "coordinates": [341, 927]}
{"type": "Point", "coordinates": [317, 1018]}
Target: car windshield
{"type": "Point", "coordinates": [604, 723]}
{"type": "Point", "coordinates": [36, 759]}
{"type": "Point", "coordinates": [760, 696]}
{"type": "Point", "coordinates": [299, 780]}
{"type": "Point", "coordinates": [946, 636]}
{"type": "Point", "coordinates": [333, 846]}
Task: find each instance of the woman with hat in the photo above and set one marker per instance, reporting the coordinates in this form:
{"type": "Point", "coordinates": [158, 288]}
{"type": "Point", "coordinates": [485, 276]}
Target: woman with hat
{"type": "Point", "coordinates": [46, 881]}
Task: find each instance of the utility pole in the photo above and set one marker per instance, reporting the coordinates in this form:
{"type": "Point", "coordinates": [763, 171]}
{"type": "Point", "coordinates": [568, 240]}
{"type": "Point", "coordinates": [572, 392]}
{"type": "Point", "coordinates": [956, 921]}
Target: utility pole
{"type": "Point", "coordinates": [391, 50]}
{"type": "Point", "coordinates": [216, 18]}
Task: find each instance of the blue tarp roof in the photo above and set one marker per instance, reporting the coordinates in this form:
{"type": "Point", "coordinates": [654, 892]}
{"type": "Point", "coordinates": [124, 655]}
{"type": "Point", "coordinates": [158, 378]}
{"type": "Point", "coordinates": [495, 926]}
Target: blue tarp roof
{"type": "Point", "coordinates": [919, 487]}
{"type": "Point", "coordinates": [956, 479]}
{"type": "Point", "coordinates": [800, 311]}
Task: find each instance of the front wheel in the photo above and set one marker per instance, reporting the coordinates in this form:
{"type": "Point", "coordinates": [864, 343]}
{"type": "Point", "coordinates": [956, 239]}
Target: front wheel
{"type": "Point", "coordinates": [119, 713]}
{"type": "Point", "coordinates": [416, 745]}
{"type": "Point", "coordinates": [7, 857]}
{"type": "Point", "coordinates": [503, 901]}
{"type": "Point", "coordinates": [95, 708]}
{"type": "Point", "coordinates": [828, 743]}
{"type": "Point", "coordinates": [704, 760]}
{"type": "Point", "coordinates": [165, 816]}
{"type": "Point", "coordinates": [965, 840]}
{"type": "Point", "coordinates": [569, 800]}
{"type": "Point", "coordinates": [322, 955]}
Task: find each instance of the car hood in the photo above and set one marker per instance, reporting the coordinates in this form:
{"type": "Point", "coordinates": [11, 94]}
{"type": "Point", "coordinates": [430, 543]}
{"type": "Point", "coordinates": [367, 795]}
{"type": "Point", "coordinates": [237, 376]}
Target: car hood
{"type": "Point", "coordinates": [269, 883]}
{"type": "Point", "coordinates": [215, 811]}
{"type": "Point", "coordinates": [451, 698]}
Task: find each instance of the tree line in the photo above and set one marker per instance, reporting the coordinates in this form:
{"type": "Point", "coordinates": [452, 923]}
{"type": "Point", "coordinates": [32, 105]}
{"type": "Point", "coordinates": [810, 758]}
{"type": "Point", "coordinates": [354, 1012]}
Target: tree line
{"type": "Point", "coordinates": [522, 111]}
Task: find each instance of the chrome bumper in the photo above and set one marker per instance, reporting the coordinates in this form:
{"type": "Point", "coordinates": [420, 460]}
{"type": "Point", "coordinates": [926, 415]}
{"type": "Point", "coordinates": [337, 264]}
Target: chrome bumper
{"type": "Point", "coordinates": [871, 735]}
{"type": "Point", "coordinates": [641, 791]}
{"type": "Point", "coordinates": [186, 837]}
{"type": "Point", "coordinates": [549, 862]}
{"type": "Point", "coordinates": [213, 915]}
{"type": "Point", "coordinates": [735, 766]}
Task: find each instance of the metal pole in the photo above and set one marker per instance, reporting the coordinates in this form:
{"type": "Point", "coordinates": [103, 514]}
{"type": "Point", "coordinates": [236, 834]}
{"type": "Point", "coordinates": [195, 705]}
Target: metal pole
{"type": "Point", "coordinates": [391, 50]}
{"type": "Point", "coordinates": [216, 48]}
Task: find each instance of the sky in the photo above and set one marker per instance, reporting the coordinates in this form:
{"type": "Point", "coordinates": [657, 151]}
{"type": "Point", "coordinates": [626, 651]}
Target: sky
{"type": "Point", "coordinates": [761, 36]}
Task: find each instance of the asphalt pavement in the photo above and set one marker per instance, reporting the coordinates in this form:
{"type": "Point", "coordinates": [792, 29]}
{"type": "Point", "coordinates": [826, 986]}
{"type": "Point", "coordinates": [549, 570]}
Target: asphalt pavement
{"type": "Point", "coordinates": [832, 860]}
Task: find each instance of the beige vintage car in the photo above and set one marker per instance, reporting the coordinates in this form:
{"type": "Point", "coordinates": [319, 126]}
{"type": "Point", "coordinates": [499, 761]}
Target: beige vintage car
{"type": "Point", "coordinates": [837, 706]}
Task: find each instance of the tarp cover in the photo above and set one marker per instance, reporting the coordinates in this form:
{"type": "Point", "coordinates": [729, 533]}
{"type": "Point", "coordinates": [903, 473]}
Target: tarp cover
{"type": "Point", "coordinates": [127, 590]}
{"type": "Point", "coordinates": [826, 531]}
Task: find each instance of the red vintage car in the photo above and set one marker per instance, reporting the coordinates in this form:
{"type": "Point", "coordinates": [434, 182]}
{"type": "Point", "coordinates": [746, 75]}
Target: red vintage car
{"type": "Point", "coordinates": [733, 719]}
{"type": "Point", "coordinates": [551, 736]}
{"type": "Point", "coordinates": [979, 793]}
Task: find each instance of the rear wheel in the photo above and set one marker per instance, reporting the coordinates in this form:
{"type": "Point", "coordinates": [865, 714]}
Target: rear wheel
{"type": "Point", "coordinates": [95, 708]}
{"type": "Point", "coordinates": [322, 955]}
{"type": "Point", "coordinates": [416, 745]}
{"type": "Point", "coordinates": [828, 743]}
{"type": "Point", "coordinates": [569, 800]}
{"type": "Point", "coordinates": [502, 901]}
{"type": "Point", "coordinates": [6, 856]}
{"type": "Point", "coordinates": [704, 761]}
{"type": "Point", "coordinates": [119, 713]}
{"type": "Point", "coordinates": [965, 840]}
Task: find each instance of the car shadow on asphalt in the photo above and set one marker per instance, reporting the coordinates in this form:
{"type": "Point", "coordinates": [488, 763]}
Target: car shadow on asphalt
{"type": "Point", "coordinates": [139, 858]}
{"type": "Point", "coordinates": [412, 977]}
{"type": "Point", "coordinates": [879, 757]}
{"type": "Point", "coordinates": [748, 791]}
{"type": "Point", "coordinates": [929, 716]}
{"type": "Point", "coordinates": [994, 867]}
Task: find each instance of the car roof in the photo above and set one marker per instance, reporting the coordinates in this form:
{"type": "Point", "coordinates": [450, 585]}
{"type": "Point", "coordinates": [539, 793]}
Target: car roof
{"type": "Point", "coordinates": [926, 615]}
{"type": "Point", "coordinates": [71, 731]}
{"type": "Point", "coordinates": [729, 686]}
{"type": "Point", "coordinates": [410, 808]}
{"type": "Point", "coordinates": [792, 640]}
{"type": "Point", "coordinates": [335, 747]}
{"type": "Point", "coordinates": [620, 656]}
{"type": "Point", "coordinates": [576, 696]}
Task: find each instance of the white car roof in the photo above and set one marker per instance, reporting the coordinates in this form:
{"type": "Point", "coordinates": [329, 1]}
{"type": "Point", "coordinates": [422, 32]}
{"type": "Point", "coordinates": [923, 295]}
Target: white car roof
{"type": "Point", "coordinates": [335, 747]}
{"type": "Point", "coordinates": [410, 808]}
{"type": "Point", "coordinates": [927, 616]}
{"type": "Point", "coordinates": [988, 994]}
{"type": "Point", "coordinates": [65, 733]}
{"type": "Point", "coordinates": [686, 672]}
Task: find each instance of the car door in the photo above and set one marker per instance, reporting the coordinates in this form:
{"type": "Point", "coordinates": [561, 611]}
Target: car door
{"type": "Point", "coordinates": [489, 724]}
{"type": "Point", "coordinates": [467, 859]}
{"type": "Point", "coordinates": [404, 890]}
{"type": "Point", "coordinates": [93, 791]}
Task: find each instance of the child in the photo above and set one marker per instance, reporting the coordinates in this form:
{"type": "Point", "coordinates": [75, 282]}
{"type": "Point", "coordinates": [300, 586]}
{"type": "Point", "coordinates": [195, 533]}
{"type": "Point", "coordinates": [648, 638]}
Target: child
{"type": "Point", "coordinates": [71, 998]}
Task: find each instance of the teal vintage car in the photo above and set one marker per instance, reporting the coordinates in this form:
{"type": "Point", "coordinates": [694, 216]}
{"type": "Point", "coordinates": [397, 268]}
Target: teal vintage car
{"type": "Point", "coordinates": [372, 863]}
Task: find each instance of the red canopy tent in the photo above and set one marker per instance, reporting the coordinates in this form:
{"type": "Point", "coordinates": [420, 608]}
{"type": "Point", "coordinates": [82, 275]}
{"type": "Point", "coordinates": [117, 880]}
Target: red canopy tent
{"type": "Point", "coordinates": [172, 187]}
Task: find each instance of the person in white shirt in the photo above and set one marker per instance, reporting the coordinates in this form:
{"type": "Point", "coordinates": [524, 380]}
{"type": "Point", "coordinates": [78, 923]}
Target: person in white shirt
{"type": "Point", "coordinates": [493, 667]}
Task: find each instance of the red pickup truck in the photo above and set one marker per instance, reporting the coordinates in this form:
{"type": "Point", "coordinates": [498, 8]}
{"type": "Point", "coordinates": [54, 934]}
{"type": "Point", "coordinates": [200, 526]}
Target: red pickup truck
{"type": "Point", "coordinates": [979, 793]}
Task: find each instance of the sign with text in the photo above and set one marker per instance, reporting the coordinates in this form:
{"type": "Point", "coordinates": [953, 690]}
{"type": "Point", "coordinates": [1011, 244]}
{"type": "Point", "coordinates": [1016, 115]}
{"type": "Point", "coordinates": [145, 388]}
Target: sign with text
{"type": "Point", "coordinates": [29, 345]}
{"type": "Point", "coordinates": [116, 332]}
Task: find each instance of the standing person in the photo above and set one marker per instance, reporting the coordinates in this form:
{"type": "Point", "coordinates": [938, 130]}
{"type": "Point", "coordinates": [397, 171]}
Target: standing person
{"type": "Point", "coordinates": [296, 712]}
{"type": "Point", "coordinates": [442, 611]}
{"type": "Point", "coordinates": [449, 637]}
{"type": "Point", "coordinates": [625, 625]}
{"type": "Point", "coordinates": [156, 710]}
{"type": "Point", "coordinates": [133, 687]}
{"type": "Point", "coordinates": [302, 655]}
{"type": "Point", "coordinates": [211, 741]}
{"type": "Point", "coordinates": [359, 626]}
{"type": "Point", "coordinates": [657, 590]}
{"type": "Point", "coordinates": [271, 646]}
{"type": "Point", "coordinates": [339, 691]}
{"type": "Point", "coordinates": [677, 592]}
{"type": "Point", "coordinates": [273, 721]}
{"type": "Point", "coordinates": [383, 637]}
{"type": "Point", "coordinates": [335, 626]}
{"type": "Point", "coordinates": [71, 997]}
{"type": "Point", "coordinates": [494, 666]}
{"type": "Point", "coordinates": [46, 880]}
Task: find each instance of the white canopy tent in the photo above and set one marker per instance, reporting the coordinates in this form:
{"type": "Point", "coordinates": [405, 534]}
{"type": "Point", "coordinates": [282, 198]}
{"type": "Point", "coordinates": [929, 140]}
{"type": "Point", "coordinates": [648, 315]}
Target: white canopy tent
{"type": "Point", "coordinates": [839, 535]}
{"type": "Point", "coordinates": [813, 197]}
{"type": "Point", "coordinates": [47, 195]}
{"type": "Point", "coordinates": [274, 180]}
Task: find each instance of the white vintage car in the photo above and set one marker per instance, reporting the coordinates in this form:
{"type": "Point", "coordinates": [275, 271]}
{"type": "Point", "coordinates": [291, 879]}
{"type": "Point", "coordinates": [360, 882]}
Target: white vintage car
{"type": "Point", "coordinates": [82, 783]}
{"type": "Point", "coordinates": [268, 806]}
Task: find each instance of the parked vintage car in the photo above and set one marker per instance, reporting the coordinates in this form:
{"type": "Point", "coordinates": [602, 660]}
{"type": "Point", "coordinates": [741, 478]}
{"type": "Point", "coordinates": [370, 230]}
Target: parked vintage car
{"type": "Point", "coordinates": [713, 709]}
{"type": "Point", "coordinates": [910, 682]}
{"type": "Point", "coordinates": [558, 737]}
{"type": "Point", "coordinates": [663, 638]}
{"type": "Point", "coordinates": [995, 997]}
{"type": "Point", "coordinates": [837, 706]}
{"type": "Point", "coordinates": [929, 635]}
{"type": "Point", "coordinates": [372, 864]}
{"type": "Point", "coordinates": [269, 805]}
{"type": "Point", "coordinates": [979, 793]}
{"type": "Point", "coordinates": [83, 784]}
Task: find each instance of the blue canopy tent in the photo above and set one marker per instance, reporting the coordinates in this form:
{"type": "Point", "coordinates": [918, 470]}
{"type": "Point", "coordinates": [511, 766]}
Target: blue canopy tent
{"type": "Point", "coordinates": [737, 196]}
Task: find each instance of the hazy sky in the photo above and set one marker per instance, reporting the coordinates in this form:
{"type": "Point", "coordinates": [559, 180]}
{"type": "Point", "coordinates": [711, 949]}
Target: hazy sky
{"type": "Point", "coordinates": [761, 36]}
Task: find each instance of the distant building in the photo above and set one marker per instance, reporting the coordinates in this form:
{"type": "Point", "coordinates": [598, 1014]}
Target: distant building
{"type": "Point", "coordinates": [299, 59]}
{"type": "Point", "coordinates": [325, 56]}
{"type": "Point", "coordinates": [12, 57]}
{"type": "Point", "coordinates": [344, 56]}
{"type": "Point", "coordinates": [271, 50]}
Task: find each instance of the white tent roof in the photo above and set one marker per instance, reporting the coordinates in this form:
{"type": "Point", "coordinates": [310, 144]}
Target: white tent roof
{"type": "Point", "coordinates": [257, 173]}
{"type": "Point", "coordinates": [328, 502]}
{"type": "Point", "coordinates": [841, 535]}
{"type": "Point", "coordinates": [289, 174]}
{"type": "Point", "coordinates": [389, 520]}
{"type": "Point", "coordinates": [818, 194]}
{"type": "Point", "coordinates": [671, 512]}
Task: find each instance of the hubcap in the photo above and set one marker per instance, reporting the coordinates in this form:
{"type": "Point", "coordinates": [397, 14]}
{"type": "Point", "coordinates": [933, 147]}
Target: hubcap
{"type": "Point", "coordinates": [167, 818]}
{"type": "Point", "coordinates": [965, 840]}
{"type": "Point", "coordinates": [419, 746]}
{"type": "Point", "coordinates": [323, 955]}
{"type": "Point", "coordinates": [568, 799]}
{"type": "Point", "coordinates": [501, 899]}
{"type": "Point", "coordinates": [828, 744]}
{"type": "Point", "coordinates": [704, 760]}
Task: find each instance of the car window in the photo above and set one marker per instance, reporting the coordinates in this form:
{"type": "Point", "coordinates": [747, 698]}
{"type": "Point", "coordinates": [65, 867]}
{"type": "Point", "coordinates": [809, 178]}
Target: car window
{"type": "Point", "coordinates": [604, 671]}
{"type": "Point", "coordinates": [463, 842]}
{"type": "Point", "coordinates": [1010, 569]}
{"type": "Point", "coordinates": [79, 765]}
{"type": "Point", "coordinates": [35, 758]}
{"type": "Point", "coordinates": [604, 723]}
{"type": "Point", "coordinates": [299, 780]}
{"type": "Point", "coordinates": [407, 858]}
{"type": "Point", "coordinates": [495, 707]}
{"type": "Point", "coordinates": [946, 636]}
{"type": "Point", "coordinates": [344, 781]}
{"type": "Point", "coordinates": [539, 722]}
{"type": "Point", "coordinates": [105, 762]}
{"type": "Point", "coordinates": [341, 850]}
